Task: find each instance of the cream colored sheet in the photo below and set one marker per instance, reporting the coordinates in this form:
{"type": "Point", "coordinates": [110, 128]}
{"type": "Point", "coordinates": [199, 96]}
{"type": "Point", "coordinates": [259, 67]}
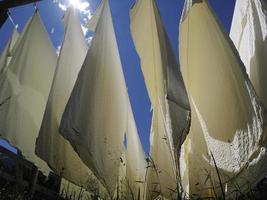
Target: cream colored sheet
{"type": "Point", "coordinates": [51, 146]}
{"type": "Point", "coordinates": [121, 185]}
{"type": "Point", "coordinates": [24, 89]}
{"type": "Point", "coordinates": [94, 120]}
{"type": "Point", "coordinates": [249, 34]}
{"type": "Point", "coordinates": [227, 117]}
{"type": "Point", "coordinates": [135, 160]}
{"type": "Point", "coordinates": [166, 91]}
{"type": "Point", "coordinates": [7, 52]}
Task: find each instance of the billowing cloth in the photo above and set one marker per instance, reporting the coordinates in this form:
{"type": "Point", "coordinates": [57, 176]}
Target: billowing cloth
{"type": "Point", "coordinates": [162, 156]}
{"type": "Point", "coordinates": [152, 189]}
{"type": "Point", "coordinates": [135, 160]}
{"type": "Point", "coordinates": [51, 146]}
{"type": "Point", "coordinates": [166, 91]}
{"type": "Point", "coordinates": [94, 120]}
{"type": "Point", "coordinates": [8, 51]}
{"type": "Point", "coordinates": [24, 89]}
{"type": "Point", "coordinates": [249, 34]}
{"type": "Point", "coordinates": [121, 186]}
{"type": "Point", "coordinates": [228, 120]}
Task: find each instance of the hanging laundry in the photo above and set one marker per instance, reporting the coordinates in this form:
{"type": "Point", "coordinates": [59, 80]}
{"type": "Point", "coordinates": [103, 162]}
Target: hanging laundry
{"type": "Point", "coordinates": [51, 146]}
{"type": "Point", "coordinates": [135, 160]}
{"type": "Point", "coordinates": [228, 120]}
{"type": "Point", "coordinates": [166, 91]}
{"type": "Point", "coordinates": [24, 89]}
{"type": "Point", "coordinates": [8, 51]}
{"type": "Point", "coordinates": [94, 120]}
{"type": "Point", "coordinates": [121, 186]}
{"type": "Point", "coordinates": [249, 34]}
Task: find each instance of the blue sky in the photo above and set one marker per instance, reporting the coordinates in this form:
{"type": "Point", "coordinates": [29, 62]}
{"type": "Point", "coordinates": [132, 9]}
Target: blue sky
{"type": "Point", "coordinates": [170, 11]}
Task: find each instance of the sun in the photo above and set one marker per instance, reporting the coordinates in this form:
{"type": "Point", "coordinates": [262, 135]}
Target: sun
{"type": "Point", "coordinates": [82, 6]}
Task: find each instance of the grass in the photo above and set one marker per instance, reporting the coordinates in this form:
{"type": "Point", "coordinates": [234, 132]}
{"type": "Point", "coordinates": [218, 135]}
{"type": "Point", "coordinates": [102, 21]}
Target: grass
{"type": "Point", "coordinates": [259, 192]}
{"type": "Point", "coordinates": [11, 191]}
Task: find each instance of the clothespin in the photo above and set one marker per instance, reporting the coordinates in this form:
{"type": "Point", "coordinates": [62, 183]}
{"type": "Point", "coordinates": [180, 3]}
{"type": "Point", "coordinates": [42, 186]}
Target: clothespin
{"type": "Point", "coordinates": [10, 18]}
{"type": "Point", "coordinates": [35, 6]}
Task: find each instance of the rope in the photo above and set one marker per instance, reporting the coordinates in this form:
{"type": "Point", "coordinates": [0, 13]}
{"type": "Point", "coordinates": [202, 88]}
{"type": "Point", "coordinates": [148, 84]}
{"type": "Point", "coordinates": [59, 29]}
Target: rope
{"type": "Point", "coordinates": [11, 20]}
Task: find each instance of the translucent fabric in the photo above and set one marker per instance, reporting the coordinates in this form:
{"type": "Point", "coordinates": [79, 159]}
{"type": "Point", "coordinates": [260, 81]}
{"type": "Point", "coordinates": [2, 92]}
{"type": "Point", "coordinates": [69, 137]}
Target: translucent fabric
{"type": "Point", "coordinates": [121, 186]}
{"type": "Point", "coordinates": [249, 34]}
{"type": "Point", "coordinates": [228, 120]}
{"type": "Point", "coordinates": [51, 146]}
{"type": "Point", "coordinates": [24, 89]}
{"type": "Point", "coordinates": [135, 160]}
{"type": "Point", "coordinates": [8, 53]}
{"type": "Point", "coordinates": [166, 91]}
{"type": "Point", "coordinates": [94, 120]}
{"type": "Point", "coordinates": [152, 189]}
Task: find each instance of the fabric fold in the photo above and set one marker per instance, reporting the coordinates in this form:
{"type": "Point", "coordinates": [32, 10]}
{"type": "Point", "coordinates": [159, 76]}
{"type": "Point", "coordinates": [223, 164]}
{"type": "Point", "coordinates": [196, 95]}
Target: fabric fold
{"type": "Point", "coordinates": [249, 34]}
{"type": "Point", "coordinates": [135, 160]}
{"type": "Point", "coordinates": [51, 146]}
{"type": "Point", "coordinates": [7, 54]}
{"type": "Point", "coordinates": [24, 89]}
{"type": "Point", "coordinates": [228, 119]}
{"type": "Point", "coordinates": [94, 120]}
{"type": "Point", "coordinates": [171, 110]}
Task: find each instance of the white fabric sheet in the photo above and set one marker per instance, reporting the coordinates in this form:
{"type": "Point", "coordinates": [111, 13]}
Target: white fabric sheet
{"type": "Point", "coordinates": [166, 91]}
{"type": "Point", "coordinates": [135, 159]}
{"type": "Point", "coordinates": [94, 120]}
{"type": "Point", "coordinates": [8, 51]}
{"type": "Point", "coordinates": [24, 89]}
{"type": "Point", "coordinates": [51, 146]}
{"type": "Point", "coordinates": [228, 119]}
{"type": "Point", "coordinates": [249, 34]}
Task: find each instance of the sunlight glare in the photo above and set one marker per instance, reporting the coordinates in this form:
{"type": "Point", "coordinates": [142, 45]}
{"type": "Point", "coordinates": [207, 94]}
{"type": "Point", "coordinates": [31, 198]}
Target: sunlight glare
{"type": "Point", "coordinates": [82, 6]}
